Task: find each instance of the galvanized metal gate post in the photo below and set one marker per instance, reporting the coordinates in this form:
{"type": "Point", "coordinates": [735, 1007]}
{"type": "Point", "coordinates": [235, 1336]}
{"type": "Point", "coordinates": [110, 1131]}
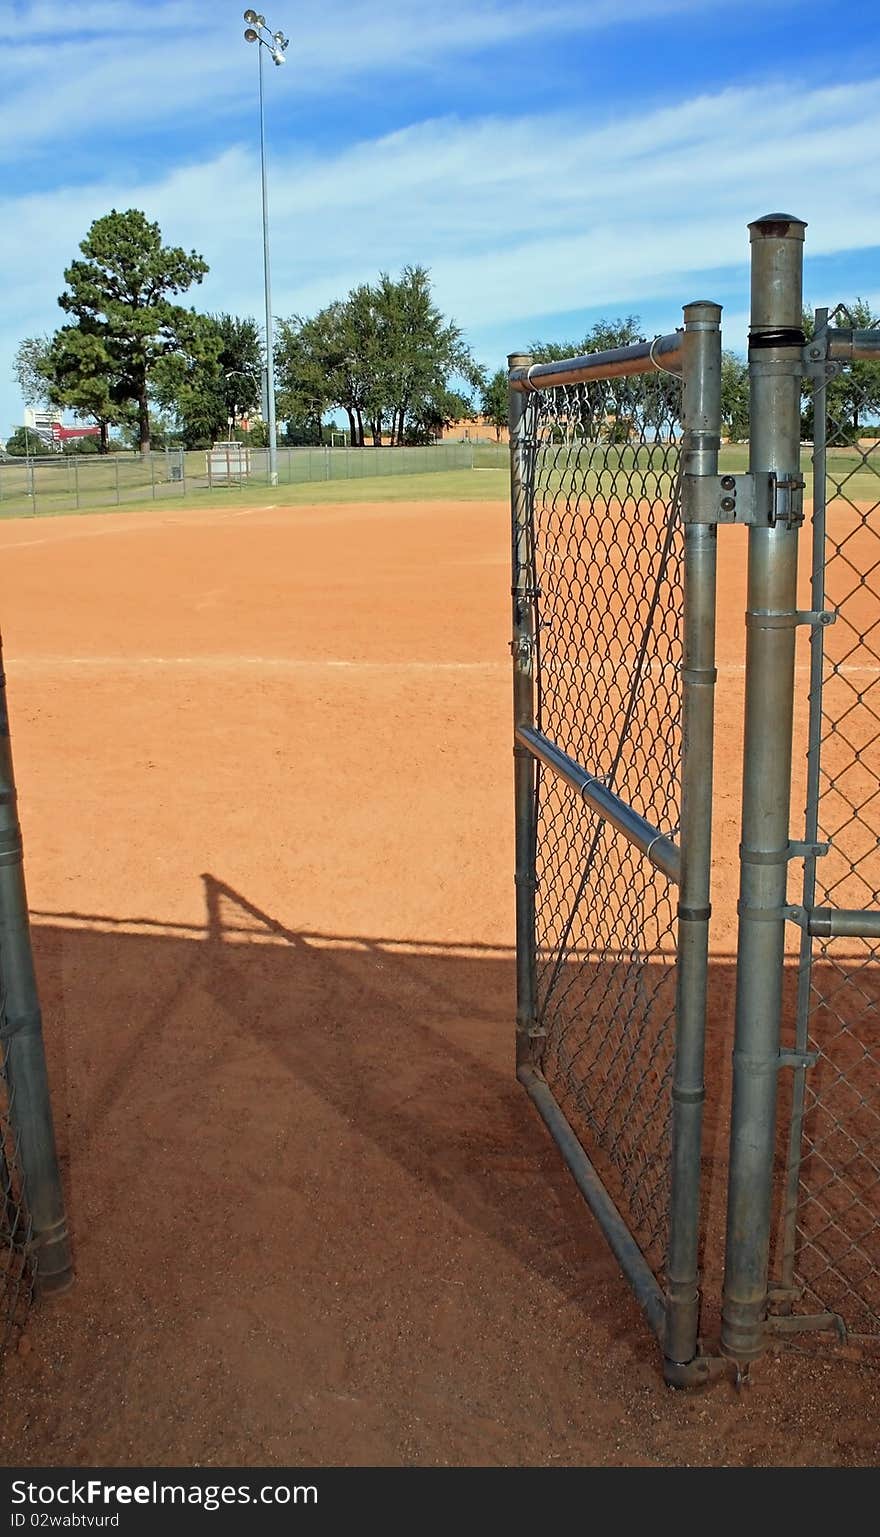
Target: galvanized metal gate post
{"type": "Point", "coordinates": [775, 371]}
{"type": "Point", "coordinates": [701, 419]}
{"type": "Point", "coordinates": [525, 769]}
{"type": "Point", "coordinates": [30, 1110]}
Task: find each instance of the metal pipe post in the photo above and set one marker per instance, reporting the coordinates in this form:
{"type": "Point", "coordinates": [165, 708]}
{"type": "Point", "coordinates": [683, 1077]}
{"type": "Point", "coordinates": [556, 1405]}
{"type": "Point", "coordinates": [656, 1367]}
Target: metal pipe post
{"type": "Point", "coordinates": [775, 369]}
{"type": "Point", "coordinates": [270, 345]}
{"type": "Point", "coordinates": [523, 652]}
{"type": "Point", "coordinates": [701, 418]}
{"type": "Point", "coordinates": [30, 1108]}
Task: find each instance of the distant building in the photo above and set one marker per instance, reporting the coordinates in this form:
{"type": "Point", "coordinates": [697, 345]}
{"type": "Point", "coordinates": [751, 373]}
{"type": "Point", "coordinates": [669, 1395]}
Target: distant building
{"type": "Point", "coordinates": [44, 424]}
{"type": "Point", "coordinates": [476, 429]}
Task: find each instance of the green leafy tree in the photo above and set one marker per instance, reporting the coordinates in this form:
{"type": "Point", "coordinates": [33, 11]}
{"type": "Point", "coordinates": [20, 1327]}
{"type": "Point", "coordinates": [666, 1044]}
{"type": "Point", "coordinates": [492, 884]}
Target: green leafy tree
{"type": "Point", "coordinates": [215, 379]}
{"type": "Point", "coordinates": [310, 369]}
{"type": "Point", "coordinates": [428, 417]}
{"type": "Point", "coordinates": [29, 369]}
{"type": "Point", "coordinates": [25, 443]}
{"type": "Point", "coordinates": [494, 401]}
{"type": "Point", "coordinates": [82, 375]}
{"type": "Point", "coordinates": [386, 356]}
{"type": "Point", "coordinates": [734, 396]}
{"type": "Point", "coordinates": [852, 397]}
{"type": "Point", "coordinates": [121, 291]}
{"type": "Point", "coordinates": [418, 355]}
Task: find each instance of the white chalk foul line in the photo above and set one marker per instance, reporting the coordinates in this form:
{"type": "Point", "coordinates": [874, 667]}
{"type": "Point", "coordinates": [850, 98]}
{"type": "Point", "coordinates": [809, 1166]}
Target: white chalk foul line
{"type": "Point", "coordinates": [278, 663]}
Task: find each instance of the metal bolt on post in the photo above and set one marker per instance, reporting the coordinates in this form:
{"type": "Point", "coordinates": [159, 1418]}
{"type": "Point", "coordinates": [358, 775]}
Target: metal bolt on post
{"type": "Point", "coordinates": [775, 366]}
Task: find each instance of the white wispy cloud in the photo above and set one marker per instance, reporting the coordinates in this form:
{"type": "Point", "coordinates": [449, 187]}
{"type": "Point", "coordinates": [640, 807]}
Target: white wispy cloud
{"type": "Point", "coordinates": [533, 216]}
{"type": "Point", "coordinates": [68, 72]}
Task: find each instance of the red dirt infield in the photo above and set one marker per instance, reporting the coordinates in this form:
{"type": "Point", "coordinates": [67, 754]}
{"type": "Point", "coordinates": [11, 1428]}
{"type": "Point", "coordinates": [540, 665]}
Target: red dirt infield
{"type": "Point", "coordinates": [264, 766]}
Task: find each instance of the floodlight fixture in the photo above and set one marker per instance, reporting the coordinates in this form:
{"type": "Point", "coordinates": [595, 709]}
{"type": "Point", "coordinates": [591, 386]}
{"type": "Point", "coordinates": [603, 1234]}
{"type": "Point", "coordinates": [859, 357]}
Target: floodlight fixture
{"type": "Point", "coordinates": [252, 17]}
{"type": "Point", "coordinates": [278, 56]}
{"type": "Point", "coordinates": [280, 40]}
{"type": "Point", "coordinates": [251, 35]}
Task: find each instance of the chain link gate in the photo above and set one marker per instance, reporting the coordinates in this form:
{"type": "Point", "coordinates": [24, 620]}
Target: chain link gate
{"type": "Point", "coordinates": [614, 603]}
{"type": "Point", "coordinates": [616, 502]}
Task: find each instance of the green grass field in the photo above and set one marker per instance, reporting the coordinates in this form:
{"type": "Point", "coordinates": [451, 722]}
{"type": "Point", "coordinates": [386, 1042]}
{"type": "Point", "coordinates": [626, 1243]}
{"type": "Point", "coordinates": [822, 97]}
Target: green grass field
{"type": "Point", "coordinates": [454, 485]}
{"type": "Point", "coordinates": [856, 479]}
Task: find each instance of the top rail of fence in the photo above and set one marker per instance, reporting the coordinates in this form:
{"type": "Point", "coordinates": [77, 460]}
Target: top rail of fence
{"type": "Point", "coordinates": [664, 352]}
{"type": "Point", "coordinates": [854, 346]}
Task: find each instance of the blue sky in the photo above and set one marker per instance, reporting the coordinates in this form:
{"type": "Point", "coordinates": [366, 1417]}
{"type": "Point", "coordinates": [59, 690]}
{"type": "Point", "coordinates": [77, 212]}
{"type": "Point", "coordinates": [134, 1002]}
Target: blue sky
{"type": "Point", "coordinates": [550, 162]}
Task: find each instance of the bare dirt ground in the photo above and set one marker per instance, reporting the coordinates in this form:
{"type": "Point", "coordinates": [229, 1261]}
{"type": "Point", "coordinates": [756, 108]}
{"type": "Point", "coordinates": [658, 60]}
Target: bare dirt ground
{"type": "Point", "coordinates": [264, 764]}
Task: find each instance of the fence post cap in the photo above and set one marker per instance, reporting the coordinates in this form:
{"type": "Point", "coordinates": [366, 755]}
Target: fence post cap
{"type": "Point", "coordinates": [780, 226]}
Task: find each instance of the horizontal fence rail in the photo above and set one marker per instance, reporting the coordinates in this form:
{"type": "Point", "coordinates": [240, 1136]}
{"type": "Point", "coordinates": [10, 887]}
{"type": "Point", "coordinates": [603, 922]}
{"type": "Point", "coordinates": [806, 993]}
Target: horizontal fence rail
{"type": "Point", "coordinates": [615, 363]}
{"type": "Point", "coordinates": [660, 850]}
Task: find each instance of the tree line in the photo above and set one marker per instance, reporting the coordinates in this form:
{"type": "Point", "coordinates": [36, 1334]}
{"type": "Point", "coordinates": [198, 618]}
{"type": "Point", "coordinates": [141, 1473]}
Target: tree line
{"type": "Point", "coordinates": [641, 404]}
{"type": "Point", "coordinates": [132, 357]}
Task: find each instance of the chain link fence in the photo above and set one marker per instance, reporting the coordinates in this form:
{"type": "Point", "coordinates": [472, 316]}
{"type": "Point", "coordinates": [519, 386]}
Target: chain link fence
{"type": "Point", "coordinates": [16, 1229]}
{"type": "Point", "coordinates": [71, 482]}
{"type": "Point", "coordinates": [608, 608]}
{"type": "Point", "coordinates": [833, 1237]}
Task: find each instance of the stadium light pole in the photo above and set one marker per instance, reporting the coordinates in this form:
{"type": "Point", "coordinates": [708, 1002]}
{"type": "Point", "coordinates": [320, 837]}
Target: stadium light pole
{"type": "Point", "coordinates": [276, 44]}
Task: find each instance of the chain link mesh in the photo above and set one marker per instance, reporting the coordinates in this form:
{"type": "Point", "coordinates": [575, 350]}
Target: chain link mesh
{"type": "Point", "coordinates": [838, 1220]}
{"type": "Point", "coordinates": [16, 1263]}
{"type": "Point", "coordinates": [608, 569]}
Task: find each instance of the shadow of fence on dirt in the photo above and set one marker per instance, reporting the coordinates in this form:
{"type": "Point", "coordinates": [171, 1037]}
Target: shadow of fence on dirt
{"type": "Point", "coordinates": [276, 1095]}
{"type": "Point", "coordinates": [286, 1098]}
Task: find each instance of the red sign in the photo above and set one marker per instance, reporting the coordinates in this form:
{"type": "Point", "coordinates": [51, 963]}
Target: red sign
{"type": "Point", "coordinates": [61, 434]}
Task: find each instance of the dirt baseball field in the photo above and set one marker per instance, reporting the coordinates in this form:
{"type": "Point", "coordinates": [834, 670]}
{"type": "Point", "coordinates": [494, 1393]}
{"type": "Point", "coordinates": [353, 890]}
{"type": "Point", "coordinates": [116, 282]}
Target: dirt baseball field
{"type": "Point", "coordinates": [264, 763]}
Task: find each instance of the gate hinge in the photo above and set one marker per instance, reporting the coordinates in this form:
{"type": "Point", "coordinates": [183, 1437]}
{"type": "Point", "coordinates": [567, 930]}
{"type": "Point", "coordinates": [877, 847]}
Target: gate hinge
{"type": "Point", "coordinates": [807, 850]}
{"type": "Point", "coordinates": [797, 1058]}
{"type": "Point", "coordinates": [711, 499]}
{"type": "Point", "coordinates": [760, 499]}
{"type": "Point", "coordinates": [800, 1323]}
{"type": "Point", "coordinates": [792, 850]}
{"type": "Point", "coordinates": [789, 619]}
{"type": "Point", "coordinates": [788, 501]}
{"type": "Point", "coordinates": [817, 364]}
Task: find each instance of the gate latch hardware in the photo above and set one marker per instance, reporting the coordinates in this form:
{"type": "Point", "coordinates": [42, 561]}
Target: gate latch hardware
{"type": "Point", "coordinates": [760, 499]}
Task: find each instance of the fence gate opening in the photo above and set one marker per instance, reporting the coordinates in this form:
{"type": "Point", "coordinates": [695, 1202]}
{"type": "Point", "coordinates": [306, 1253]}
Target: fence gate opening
{"type": "Point", "coordinates": [617, 499]}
